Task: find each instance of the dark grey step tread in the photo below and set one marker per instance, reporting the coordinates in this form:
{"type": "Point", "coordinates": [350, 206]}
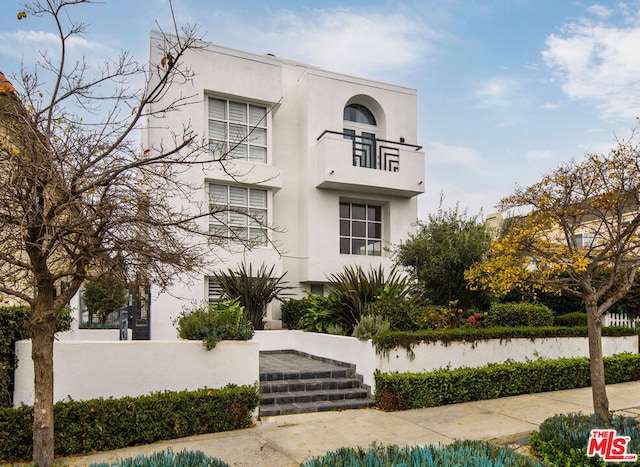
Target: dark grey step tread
{"type": "Point", "coordinates": [335, 373]}
{"type": "Point", "coordinates": [267, 387]}
{"type": "Point", "coordinates": [309, 407]}
{"type": "Point", "coordinates": [314, 396]}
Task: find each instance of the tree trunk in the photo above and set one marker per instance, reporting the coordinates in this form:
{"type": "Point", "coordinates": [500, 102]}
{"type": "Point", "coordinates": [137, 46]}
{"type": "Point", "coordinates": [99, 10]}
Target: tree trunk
{"type": "Point", "coordinates": [598, 385]}
{"type": "Point", "coordinates": [42, 330]}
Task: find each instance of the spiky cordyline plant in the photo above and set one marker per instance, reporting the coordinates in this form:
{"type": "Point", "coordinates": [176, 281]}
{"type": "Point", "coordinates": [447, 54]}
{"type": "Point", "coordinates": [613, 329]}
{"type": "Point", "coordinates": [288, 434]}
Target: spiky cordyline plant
{"type": "Point", "coordinates": [255, 291]}
{"type": "Point", "coordinates": [353, 290]}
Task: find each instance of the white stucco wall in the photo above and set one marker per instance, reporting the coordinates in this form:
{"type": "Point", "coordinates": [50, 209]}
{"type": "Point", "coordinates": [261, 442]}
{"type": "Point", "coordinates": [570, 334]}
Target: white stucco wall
{"type": "Point", "coordinates": [88, 369]}
{"type": "Point", "coordinates": [432, 356]}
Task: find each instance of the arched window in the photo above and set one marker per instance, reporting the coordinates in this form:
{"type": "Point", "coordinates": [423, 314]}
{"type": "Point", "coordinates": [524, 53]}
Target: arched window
{"type": "Point", "coordinates": [359, 114]}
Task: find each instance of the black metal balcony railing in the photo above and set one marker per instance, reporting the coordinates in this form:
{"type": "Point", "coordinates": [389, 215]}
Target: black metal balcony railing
{"type": "Point", "coordinates": [373, 153]}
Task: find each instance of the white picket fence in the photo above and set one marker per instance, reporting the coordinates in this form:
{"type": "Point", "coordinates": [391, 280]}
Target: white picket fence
{"type": "Point", "coordinates": [615, 319]}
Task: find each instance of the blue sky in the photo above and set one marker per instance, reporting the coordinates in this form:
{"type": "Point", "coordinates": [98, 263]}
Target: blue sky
{"type": "Point", "coordinates": [507, 89]}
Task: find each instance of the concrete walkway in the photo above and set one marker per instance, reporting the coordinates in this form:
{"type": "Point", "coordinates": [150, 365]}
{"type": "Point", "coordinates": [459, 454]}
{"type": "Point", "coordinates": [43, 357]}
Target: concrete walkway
{"type": "Point", "coordinates": [288, 440]}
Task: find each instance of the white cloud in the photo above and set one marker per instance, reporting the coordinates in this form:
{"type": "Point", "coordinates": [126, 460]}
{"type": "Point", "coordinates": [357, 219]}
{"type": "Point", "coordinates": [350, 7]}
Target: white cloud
{"type": "Point", "coordinates": [550, 106]}
{"type": "Point", "coordinates": [30, 44]}
{"type": "Point", "coordinates": [496, 92]}
{"type": "Point", "coordinates": [442, 155]}
{"type": "Point", "coordinates": [600, 11]}
{"type": "Point", "coordinates": [599, 63]}
{"type": "Point", "coordinates": [360, 42]}
{"type": "Point", "coordinates": [539, 155]}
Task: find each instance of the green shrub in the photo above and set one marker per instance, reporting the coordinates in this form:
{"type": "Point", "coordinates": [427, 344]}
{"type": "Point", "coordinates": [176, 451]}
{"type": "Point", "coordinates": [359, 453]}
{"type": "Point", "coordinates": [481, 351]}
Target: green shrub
{"type": "Point", "coordinates": [319, 316]}
{"type": "Point", "coordinates": [107, 424]}
{"type": "Point", "coordinates": [562, 439]}
{"type": "Point", "coordinates": [401, 391]}
{"type": "Point", "coordinates": [519, 314]}
{"type": "Point", "coordinates": [214, 323]}
{"type": "Point", "coordinates": [462, 453]}
{"type": "Point", "coordinates": [401, 314]}
{"type": "Point", "coordinates": [577, 318]}
{"type": "Point", "coordinates": [294, 309]}
{"type": "Point", "coordinates": [370, 326]}
{"type": "Point", "coordinates": [167, 458]}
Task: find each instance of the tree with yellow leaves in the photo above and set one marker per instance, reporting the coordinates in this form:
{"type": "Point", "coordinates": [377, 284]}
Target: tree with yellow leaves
{"type": "Point", "coordinates": [579, 237]}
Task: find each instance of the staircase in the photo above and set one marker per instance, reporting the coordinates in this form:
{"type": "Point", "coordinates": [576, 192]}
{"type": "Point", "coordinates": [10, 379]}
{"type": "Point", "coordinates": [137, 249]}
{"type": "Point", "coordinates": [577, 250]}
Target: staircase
{"type": "Point", "coordinates": [294, 382]}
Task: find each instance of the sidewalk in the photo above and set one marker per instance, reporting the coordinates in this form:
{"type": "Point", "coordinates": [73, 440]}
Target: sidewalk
{"type": "Point", "coordinates": [289, 440]}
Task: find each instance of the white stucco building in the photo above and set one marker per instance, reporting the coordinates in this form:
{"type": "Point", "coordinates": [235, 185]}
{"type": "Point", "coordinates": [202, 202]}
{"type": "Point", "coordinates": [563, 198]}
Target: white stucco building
{"type": "Point", "coordinates": [331, 161]}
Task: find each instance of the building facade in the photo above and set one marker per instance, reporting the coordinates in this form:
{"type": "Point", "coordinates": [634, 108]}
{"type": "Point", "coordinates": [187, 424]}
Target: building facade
{"type": "Point", "coordinates": [330, 162]}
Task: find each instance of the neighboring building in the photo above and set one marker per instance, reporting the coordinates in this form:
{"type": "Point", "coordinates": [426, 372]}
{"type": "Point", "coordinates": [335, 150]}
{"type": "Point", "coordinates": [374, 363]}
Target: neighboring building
{"type": "Point", "coordinates": [332, 162]}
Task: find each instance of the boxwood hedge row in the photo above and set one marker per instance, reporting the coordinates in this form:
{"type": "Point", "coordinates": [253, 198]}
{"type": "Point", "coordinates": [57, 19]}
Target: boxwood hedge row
{"type": "Point", "coordinates": [402, 391]}
{"type": "Point", "coordinates": [107, 424]}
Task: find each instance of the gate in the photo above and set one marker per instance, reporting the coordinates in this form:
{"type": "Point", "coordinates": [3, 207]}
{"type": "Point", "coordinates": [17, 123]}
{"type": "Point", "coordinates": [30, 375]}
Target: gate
{"type": "Point", "coordinates": [140, 312]}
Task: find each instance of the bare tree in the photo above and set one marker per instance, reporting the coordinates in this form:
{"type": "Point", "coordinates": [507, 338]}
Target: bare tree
{"type": "Point", "coordinates": [580, 238]}
{"type": "Point", "coordinates": [80, 196]}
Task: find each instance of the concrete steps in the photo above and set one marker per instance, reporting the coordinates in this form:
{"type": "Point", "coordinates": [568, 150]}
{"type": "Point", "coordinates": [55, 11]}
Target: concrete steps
{"type": "Point", "coordinates": [292, 382]}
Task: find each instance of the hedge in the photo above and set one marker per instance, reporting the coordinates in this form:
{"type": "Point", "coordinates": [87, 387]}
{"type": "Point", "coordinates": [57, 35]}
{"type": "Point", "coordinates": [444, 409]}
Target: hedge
{"type": "Point", "coordinates": [107, 424]}
{"type": "Point", "coordinates": [402, 391]}
{"type": "Point", "coordinates": [386, 342]}
{"type": "Point", "coordinates": [516, 314]}
{"type": "Point", "coordinates": [562, 439]}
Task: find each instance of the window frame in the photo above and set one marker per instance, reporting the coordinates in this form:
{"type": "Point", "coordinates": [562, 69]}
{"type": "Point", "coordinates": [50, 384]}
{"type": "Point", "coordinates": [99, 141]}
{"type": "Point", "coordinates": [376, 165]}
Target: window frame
{"type": "Point", "coordinates": [251, 135]}
{"type": "Point", "coordinates": [360, 236]}
{"type": "Point", "coordinates": [241, 216]}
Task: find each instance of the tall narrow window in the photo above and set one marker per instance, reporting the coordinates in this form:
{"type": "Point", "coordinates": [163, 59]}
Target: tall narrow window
{"type": "Point", "coordinates": [215, 292]}
{"type": "Point", "coordinates": [360, 229]}
{"type": "Point", "coordinates": [238, 129]}
{"type": "Point", "coordinates": [360, 127]}
{"type": "Point", "coordinates": [238, 213]}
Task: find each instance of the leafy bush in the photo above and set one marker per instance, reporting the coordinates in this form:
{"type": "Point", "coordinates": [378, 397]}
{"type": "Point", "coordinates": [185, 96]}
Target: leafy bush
{"type": "Point", "coordinates": [107, 424]}
{"type": "Point", "coordinates": [12, 322]}
{"type": "Point", "coordinates": [401, 391]}
{"type": "Point", "coordinates": [370, 326]}
{"type": "Point", "coordinates": [213, 323]}
{"type": "Point", "coordinates": [319, 316]}
{"type": "Point", "coordinates": [400, 314]}
{"type": "Point", "coordinates": [462, 453]}
{"type": "Point", "coordinates": [294, 309]}
{"type": "Point", "coordinates": [519, 314]}
{"type": "Point", "coordinates": [577, 318]}
{"type": "Point", "coordinates": [562, 439]}
{"type": "Point", "coordinates": [167, 458]}
{"type": "Point", "coordinates": [255, 291]}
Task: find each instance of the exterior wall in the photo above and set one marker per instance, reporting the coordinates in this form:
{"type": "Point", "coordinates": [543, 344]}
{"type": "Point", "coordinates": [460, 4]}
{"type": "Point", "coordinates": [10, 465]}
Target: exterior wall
{"type": "Point", "coordinates": [437, 355]}
{"type": "Point", "coordinates": [433, 356]}
{"type": "Point", "coordinates": [92, 369]}
{"type": "Point", "coordinates": [303, 103]}
{"type": "Point", "coordinates": [89, 369]}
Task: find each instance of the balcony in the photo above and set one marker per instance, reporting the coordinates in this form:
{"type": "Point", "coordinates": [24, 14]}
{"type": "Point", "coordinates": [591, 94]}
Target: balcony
{"type": "Point", "coordinates": [356, 163]}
